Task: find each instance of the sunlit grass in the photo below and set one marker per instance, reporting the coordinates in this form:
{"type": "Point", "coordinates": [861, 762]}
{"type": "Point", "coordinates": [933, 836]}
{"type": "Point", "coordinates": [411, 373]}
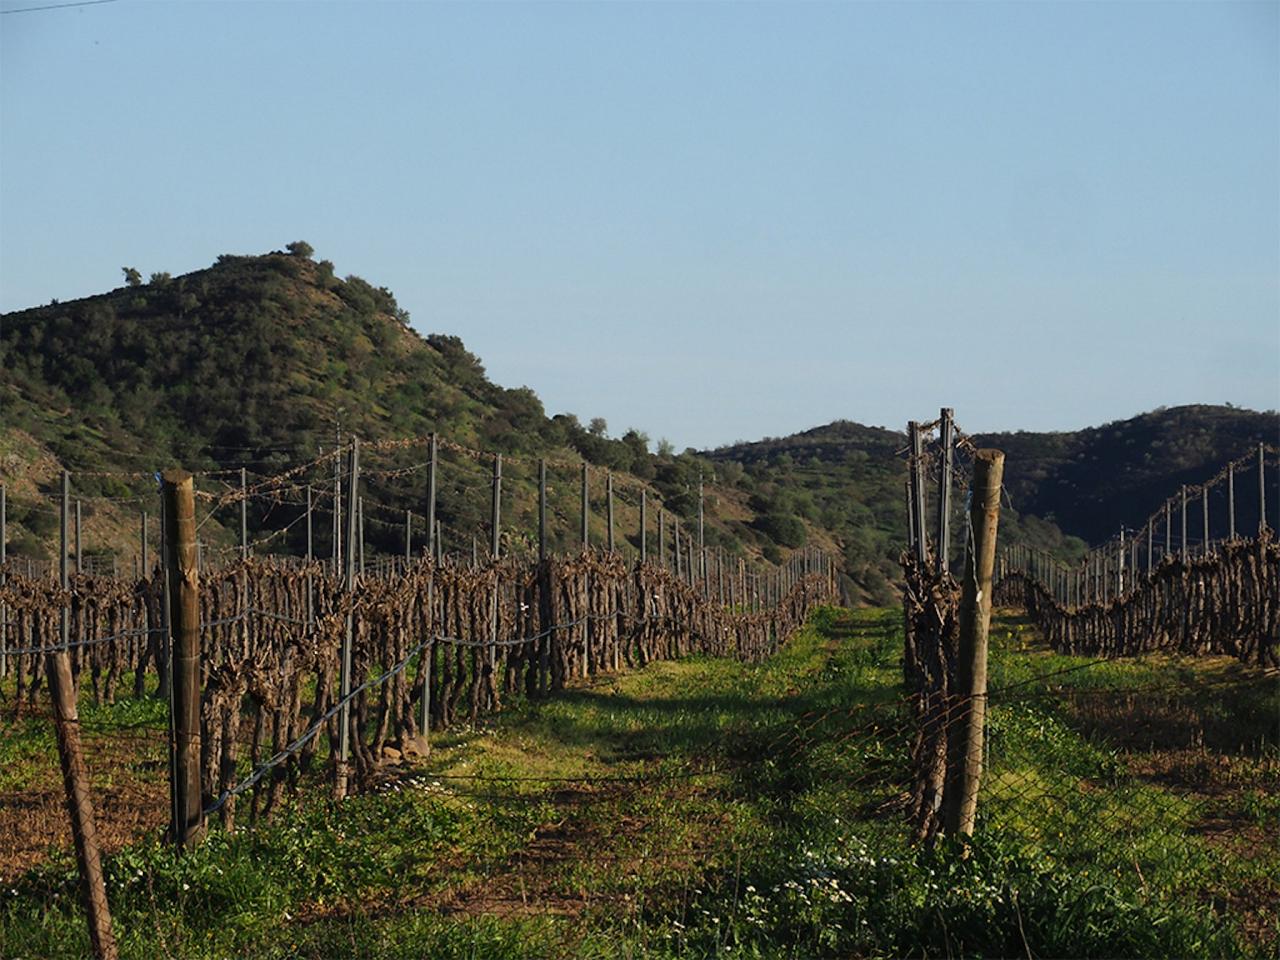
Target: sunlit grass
{"type": "Point", "coordinates": [711, 808]}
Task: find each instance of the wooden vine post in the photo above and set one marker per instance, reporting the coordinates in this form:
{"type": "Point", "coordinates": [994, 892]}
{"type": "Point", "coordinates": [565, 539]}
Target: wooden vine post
{"type": "Point", "coordinates": [4, 576]}
{"type": "Point", "coordinates": [944, 488]}
{"type": "Point", "coordinates": [184, 638]}
{"type": "Point", "coordinates": [964, 773]}
{"type": "Point", "coordinates": [75, 779]}
{"type": "Point", "coordinates": [342, 768]}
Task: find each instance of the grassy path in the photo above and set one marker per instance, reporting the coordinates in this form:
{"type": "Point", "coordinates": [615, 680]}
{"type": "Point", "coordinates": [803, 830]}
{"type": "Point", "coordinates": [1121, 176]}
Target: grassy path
{"type": "Point", "coordinates": [709, 808]}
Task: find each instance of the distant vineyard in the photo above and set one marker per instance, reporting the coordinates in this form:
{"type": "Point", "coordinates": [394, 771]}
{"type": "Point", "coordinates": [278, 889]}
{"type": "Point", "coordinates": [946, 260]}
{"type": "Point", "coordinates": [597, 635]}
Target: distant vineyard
{"type": "Point", "coordinates": [1146, 590]}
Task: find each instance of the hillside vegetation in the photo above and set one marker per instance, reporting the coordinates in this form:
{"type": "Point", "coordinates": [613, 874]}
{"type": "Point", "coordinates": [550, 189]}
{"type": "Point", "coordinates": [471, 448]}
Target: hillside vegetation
{"type": "Point", "coordinates": [257, 360]}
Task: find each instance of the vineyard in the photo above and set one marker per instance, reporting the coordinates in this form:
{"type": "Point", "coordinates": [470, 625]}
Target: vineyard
{"type": "Point", "coordinates": [641, 745]}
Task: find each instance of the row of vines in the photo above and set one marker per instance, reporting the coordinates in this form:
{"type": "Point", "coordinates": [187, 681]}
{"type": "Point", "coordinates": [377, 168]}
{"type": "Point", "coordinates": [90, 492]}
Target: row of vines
{"type": "Point", "coordinates": [465, 637]}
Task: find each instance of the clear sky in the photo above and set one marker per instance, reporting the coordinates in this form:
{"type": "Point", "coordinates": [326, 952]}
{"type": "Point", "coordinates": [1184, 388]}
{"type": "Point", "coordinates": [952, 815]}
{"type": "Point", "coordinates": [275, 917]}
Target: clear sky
{"type": "Point", "coordinates": [713, 221]}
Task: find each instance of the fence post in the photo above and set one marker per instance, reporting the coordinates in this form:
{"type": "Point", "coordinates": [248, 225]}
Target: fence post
{"type": "Point", "coordinates": [408, 538]}
{"type": "Point", "coordinates": [1168, 528]}
{"type": "Point", "coordinates": [911, 510]}
{"type": "Point", "coordinates": [644, 525]}
{"type": "Point", "coordinates": [4, 576]}
{"type": "Point", "coordinates": [662, 537]}
{"type": "Point", "coordinates": [608, 498]}
{"type": "Point", "coordinates": [700, 530]}
{"type": "Point", "coordinates": [311, 602]}
{"type": "Point", "coordinates": [75, 779]}
{"type": "Point", "coordinates": [944, 488]}
{"type": "Point", "coordinates": [1231, 501]}
{"type": "Point", "coordinates": [965, 762]}
{"type": "Point", "coordinates": [586, 533]}
{"type": "Point", "coordinates": [1120, 566]}
{"type": "Point", "coordinates": [341, 771]}
{"type": "Point", "coordinates": [431, 502]}
{"type": "Point", "coordinates": [917, 488]}
{"type": "Point", "coordinates": [79, 552]}
{"type": "Point", "coordinates": [1204, 519]}
{"type": "Point", "coordinates": [184, 641]}
{"type": "Point", "coordinates": [494, 548]}
{"type": "Point", "coordinates": [337, 501]}
{"type": "Point", "coordinates": [542, 509]}
{"type": "Point", "coordinates": [1262, 492]}
{"type": "Point", "coordinates": [1183, 544]}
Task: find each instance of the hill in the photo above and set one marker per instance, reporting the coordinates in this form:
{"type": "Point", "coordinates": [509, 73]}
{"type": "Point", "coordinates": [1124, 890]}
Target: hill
{"type": "Point", "coordinates": [1092, 481]}
{"type": "Point", "coordinates": [256, 361]}
{"type": "Point", "coordinates": [1066, 489]}
{"type": "Point", "coordinates": [849, 479]}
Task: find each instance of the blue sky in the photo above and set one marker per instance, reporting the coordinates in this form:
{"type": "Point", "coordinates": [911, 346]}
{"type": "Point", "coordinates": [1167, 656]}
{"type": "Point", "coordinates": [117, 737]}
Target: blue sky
{"type": "Point", "coordinates": [713, 221]}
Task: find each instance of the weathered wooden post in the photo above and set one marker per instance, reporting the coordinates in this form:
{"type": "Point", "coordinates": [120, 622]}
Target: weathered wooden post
{"type": "Point", "coordinates": [911, 510]}
{"type": "Point", "coordinates": [964, 759]}
{"type": "Point", "coordinates": [1204, 516]}
{"type": "Point", "coordinates": [917, 478]}
{"type": "Point", "coordinates": [644, 525]}
{"type": "Point", "coordinates": [408, 538]}
{"type": "Point", "coordinates": [337, 501]}
{"type": "Point", "coordinates": [1183, 542]}
{"type": "Point", "coordinates": [360, 532]}
{"type": "Point", "coordinates": [701, 542]}
{"type": "Point", "coordinates": [542, 509]}
{"type": "Point", "coordinates": [944, 488]}
{"type": "Point", "coordinates": [244, 515]}
{"type": "Point", "coordinates": [1231, 500]}
{"type": "Point", "coordinates": [1120, 566]}
{"type": "Point", "coordinates": [608, 496]}
{"type": "Point", "coordinates": [586, 507]}
{"type": "Point", "coordinates": [342, 767]}
{"type": "Point", "coordinates": [662, 538]}
{"type": "Point", "coordinates": [1262, 492]}
{"type": "Point", "coordinates": [4, 576]}
{"type": "Point", "coordinates": [79, 549]}
{"type": "Point", "coordinates": [183, 583]}
{"type": "Point", "coordinates": [432, 532]}
{"type": "Point", "coordinates": [311, 601]}
{"type": "Point", "coordinates": [75, 779]}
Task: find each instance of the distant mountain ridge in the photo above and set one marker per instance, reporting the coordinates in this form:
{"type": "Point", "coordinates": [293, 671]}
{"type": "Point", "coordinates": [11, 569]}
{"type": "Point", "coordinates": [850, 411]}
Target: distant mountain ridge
{"type": "Point", "coordinates": [1087, 483]}
{"type": "Point", "coordinates": [1093, 481]}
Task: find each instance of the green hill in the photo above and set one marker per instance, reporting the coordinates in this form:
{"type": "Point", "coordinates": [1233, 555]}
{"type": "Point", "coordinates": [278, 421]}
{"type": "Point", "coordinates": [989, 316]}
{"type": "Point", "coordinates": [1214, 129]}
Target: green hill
{"type": "Point", "coordinates": [257, 360]}
{"type": "Point", "coordinates": [1066, 489]}
{"type": "Point", "coordinates": [1092, 481]}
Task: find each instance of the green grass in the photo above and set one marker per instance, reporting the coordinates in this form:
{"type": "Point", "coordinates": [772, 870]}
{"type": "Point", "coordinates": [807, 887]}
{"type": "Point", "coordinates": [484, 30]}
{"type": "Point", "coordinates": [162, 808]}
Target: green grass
{"type": "Point", "coordinates": [706, 807]}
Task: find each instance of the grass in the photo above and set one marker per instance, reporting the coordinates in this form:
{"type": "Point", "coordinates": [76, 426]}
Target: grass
{"type": "Point", "coordinates": [706, 808]}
